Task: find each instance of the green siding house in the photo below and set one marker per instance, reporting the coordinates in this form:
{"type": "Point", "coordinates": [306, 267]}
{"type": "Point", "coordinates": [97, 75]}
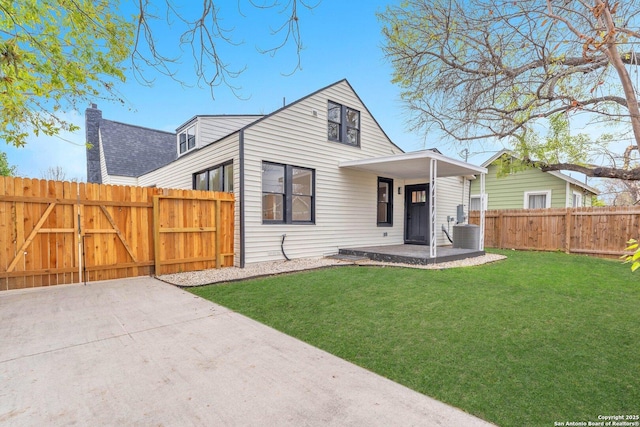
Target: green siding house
{"type": "Point", "coordinates": [529, 189]}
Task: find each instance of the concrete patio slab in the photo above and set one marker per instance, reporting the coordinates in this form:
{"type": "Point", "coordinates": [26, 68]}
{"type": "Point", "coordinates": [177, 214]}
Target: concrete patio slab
{"type": "Point", "coordinates": [142, 352]}
{"type": "Point", "coordinates": [412, 254]}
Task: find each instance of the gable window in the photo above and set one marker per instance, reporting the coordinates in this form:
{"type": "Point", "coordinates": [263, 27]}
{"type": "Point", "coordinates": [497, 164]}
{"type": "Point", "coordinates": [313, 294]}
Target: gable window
{"type": "Point", "coordinates": [187, 139]}
{"type": "Point", "coordinates": [537, 199]}
{"type": "Point", "coordinates": [385, 202]}
{"type": "Point", "coordinates": [217, 178]}
{"type": "Point", "coordinates": [343, 124]}
{"type": "Point", "coordinates": [287, 194]}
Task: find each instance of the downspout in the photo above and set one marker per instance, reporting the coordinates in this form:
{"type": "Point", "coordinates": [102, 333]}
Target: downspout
{"type": "Point", "coordinates": [241, 197]}
{"type": "Point", "coordinates": [469, 201]}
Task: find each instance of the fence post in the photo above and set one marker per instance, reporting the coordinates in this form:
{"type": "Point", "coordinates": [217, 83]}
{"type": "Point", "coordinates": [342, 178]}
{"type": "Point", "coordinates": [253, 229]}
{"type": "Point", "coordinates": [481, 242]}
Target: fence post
{"type": "Point", "coordinates": [567, 233]}
{"type": "Point", "coordinates": [499, 227]}
{"type": "Point", "coordinates": [156, 233]}
{"type": "Point", "coordinates": [218, 234]}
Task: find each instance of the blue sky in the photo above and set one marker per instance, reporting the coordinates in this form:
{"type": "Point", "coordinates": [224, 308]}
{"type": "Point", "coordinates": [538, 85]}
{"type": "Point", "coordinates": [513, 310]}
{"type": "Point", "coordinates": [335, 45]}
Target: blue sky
{"type": "Point", "coordinates": [342, 39]}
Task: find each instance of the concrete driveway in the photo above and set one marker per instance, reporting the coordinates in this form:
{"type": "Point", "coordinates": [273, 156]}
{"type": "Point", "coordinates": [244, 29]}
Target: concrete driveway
{"type": "Point", "coordinates": [141, 352]}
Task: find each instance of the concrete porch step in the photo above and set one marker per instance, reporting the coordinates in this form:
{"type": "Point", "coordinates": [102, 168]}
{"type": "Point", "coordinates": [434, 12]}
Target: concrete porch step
{"type": "Point", "coordinates": [346, 257]}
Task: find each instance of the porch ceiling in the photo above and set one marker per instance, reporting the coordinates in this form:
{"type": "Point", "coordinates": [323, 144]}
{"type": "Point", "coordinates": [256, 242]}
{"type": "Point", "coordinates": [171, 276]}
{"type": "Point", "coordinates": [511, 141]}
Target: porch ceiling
{"type": "Point", "coordinates": [415, 164]}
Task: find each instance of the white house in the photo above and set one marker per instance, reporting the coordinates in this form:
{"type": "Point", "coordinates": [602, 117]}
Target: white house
{"type": "Point", "coordinates": [319, 173]}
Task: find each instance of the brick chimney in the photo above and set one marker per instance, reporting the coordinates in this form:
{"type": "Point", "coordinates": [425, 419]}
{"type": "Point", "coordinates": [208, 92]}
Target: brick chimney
{"type": "Point", "coordinates": [92, 118]}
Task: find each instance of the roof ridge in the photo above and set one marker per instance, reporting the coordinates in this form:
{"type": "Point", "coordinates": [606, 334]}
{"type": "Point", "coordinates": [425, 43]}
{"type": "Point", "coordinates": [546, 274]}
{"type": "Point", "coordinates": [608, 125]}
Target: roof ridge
{"type": "Point", "coordinates": [137, 126]}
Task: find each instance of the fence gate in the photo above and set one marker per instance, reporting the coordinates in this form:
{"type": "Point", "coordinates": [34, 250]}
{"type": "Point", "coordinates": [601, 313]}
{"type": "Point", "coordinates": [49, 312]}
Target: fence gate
{"type": "Point", "coordinates": [201, 238]}
{"type": "Point", "coordinates": [60, 232]}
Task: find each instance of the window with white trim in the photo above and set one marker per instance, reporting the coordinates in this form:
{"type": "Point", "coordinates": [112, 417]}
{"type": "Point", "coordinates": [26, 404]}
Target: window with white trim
{"type": "Point", "coordinates": [287, 194]}
{"type": "Point", "coordinates": [343, 124]}
{"type": "Point", "coordinates": [217, 178]}
{"type": "Point", "coordinates": [187, 139]}
{"type": "Point", "coordinates": [475, 202]}
{"type": "Point", "coordinates": [576, 200]}
{"type": "Point", "coordinates": [537, 199]}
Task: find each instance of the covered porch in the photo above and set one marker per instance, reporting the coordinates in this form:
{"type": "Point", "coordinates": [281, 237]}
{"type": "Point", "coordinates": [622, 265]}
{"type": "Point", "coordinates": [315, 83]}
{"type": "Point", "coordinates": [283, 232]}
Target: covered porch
{"type": "Point", "coordinates": [426, 166]}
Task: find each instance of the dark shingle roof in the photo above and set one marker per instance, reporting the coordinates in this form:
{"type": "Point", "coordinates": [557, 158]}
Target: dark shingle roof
{"type": "Point", "coordinates": [133, 150]}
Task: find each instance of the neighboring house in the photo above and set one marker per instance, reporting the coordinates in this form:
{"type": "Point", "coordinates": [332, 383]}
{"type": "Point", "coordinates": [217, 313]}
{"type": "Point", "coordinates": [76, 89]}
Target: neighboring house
{"type": "Point", "coordinates": [319, 172]}
{"type": "Point", "coordinates": [529, 189]}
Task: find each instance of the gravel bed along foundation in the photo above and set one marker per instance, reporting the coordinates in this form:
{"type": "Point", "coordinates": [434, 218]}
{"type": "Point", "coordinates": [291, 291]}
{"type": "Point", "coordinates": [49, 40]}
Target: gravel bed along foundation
{"type": "Point", "coordinates": [230, 274]}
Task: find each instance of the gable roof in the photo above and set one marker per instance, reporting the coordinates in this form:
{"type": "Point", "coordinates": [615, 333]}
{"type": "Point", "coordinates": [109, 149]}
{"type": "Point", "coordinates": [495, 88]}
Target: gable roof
{"type": "Point", "coordinates": [132, 151]}
{"type": "Point", "coordinates": [264, 117]}
{"type": "Point", "coordinates": [558, 174]}
{"type": "Point", "coordinates": [315, 93]}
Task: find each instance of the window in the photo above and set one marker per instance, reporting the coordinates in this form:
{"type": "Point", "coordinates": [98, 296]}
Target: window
{"type": "Point", "coordinates": [187, 139]}
{"type": "Point", "coordinates": [287, 194]}
{"type": "Point", "coordinates": [343, 124]}
{"type": "Point", "coordinates": [537, 199]}
{"type": "Point", "coordinates": [576, 200]}
{"type": "Point", "coordinates": [385, 201]}
{"type": "Point", "coordinates": [474, 203]}
{"type": "Point", "coordinates": [418, 196]}
{"type": "Point", "coordinates": [217, 178]}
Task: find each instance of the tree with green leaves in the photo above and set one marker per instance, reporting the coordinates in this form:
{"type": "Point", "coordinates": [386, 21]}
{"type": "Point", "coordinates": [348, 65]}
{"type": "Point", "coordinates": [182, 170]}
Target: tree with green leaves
{"type": "Point", "coordinates": [474, 70]}
{"type": "Point", "coordinates": [5, 168]}
{"type": "Point", "coordinates": [57, 55]}
{"type": "Point", "coordinates": [53, 56]}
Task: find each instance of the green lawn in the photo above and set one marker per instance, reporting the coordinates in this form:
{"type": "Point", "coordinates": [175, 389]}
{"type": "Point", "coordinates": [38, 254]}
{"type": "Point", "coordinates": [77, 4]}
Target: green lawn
{"type": "Point", "coordinates": [534, 339]}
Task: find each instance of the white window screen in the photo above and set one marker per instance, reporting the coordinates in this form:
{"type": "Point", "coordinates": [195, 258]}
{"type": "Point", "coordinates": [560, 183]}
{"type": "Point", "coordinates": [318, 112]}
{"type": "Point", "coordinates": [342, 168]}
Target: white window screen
{"type": "Point", "coordinates": [474, 204]}
{"type": "Point", "coordinates": [577, 200]}
{"type": "Point", "coordinates": [537, 201]}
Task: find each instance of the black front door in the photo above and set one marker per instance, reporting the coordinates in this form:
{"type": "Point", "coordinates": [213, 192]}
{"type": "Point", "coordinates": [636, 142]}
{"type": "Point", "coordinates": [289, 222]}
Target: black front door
{"type": "Point", "coordinates": [416, 214]}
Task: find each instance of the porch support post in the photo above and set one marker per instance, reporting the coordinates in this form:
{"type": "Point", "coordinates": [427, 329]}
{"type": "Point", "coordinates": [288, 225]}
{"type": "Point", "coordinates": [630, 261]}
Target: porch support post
{"type": "Point", "coordinates": [433, 173]}
{"type": "Point", "coordinates": [483, 202]}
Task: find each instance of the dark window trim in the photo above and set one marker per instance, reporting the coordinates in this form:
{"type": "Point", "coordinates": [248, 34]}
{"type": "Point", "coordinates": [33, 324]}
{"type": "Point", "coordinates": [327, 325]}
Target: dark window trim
{"type": "Point", "coordinates": [344, 127]}
{"type": "Point", "coordinates": [288, 196]}
{"type": "Point", "coordinates": [220, 165]}
{"type": "Point", "coordinates": [284, 195]}
{"type": "Point", "coordinates": [389, 222]}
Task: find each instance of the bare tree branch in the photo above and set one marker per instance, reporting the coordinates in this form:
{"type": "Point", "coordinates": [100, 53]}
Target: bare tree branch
{"type": "Point", "coordinates": [203, 36]}
{"type": "Point", "coordinates": [478, 69]}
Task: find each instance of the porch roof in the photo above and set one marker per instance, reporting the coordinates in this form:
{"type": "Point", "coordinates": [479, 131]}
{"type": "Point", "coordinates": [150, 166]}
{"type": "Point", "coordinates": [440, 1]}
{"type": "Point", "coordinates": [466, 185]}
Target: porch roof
{"type": "Point", "coordinates": [415, 164]}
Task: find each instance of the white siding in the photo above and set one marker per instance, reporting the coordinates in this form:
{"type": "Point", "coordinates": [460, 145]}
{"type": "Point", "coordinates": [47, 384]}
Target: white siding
{"type": "Point", "coordinates": [345, 199]}
{"type": "Point", "coordinates": [212, 128]}
{"type": "Point", "coordinates": [450, 194]}
{"type": "Point", "coordinates": [122, 180]}
{"type": "Point", "coordinates": [103, 162]}
{"type": "Point", "coordinates": [179, 174]}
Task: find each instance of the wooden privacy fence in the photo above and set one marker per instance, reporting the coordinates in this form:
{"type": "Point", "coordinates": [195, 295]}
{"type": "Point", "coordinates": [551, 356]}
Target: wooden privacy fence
{"type": "Point", "coordinates": [55, 232]}
{"type": "Point", "coordinates": [601, 231]}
